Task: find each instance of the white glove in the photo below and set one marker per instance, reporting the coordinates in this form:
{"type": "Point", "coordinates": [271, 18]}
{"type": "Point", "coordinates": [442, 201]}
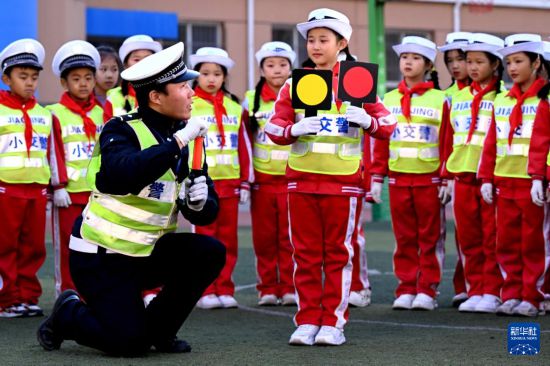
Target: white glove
{"type": "Point", "coordinates": [376, 191]}
{"type": "Point", "coordinates": [446, 192]}
{"type": "Point", "coordinates": [61, 198]}
{"type": "Point", "coordinates": [195, 195]}
{"type": "Point", "coordinates": [487, 192]}
{"type": "Point", "coordinates": [244, 196]}
{"type": "Point", "coordinates": [537, 192]}
{"type": "Point", "coordinates": [306, 126]}
{"type": "Point", "coordinates": [358, 115]}
{"type": "Point", "coordinates": [194, 127]}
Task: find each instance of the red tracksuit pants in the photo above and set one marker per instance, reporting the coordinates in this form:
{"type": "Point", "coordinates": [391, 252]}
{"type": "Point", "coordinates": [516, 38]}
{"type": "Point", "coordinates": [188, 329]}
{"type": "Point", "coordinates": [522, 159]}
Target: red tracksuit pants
{"type": "Point", "coordinates": [22, 249]}
{"type": "Point", "coordinates": [521, 249]}
{"type": "Point", "coordinates": [62, 225]}
{"type": "Point", "coordinates": [417, 221]}
{"type": "Point", "coordinates": [459, 283]}
{"type": "Point", "coordinates": [271, 242]}
{"type": "Point", "coordinates": [321, 229]}
{"type": "Point", "coordinates": [476, 227]}
{"type": "Point", "coordinates": [360, 275]}
{"type": "Point", "coordinates": [225, 230]}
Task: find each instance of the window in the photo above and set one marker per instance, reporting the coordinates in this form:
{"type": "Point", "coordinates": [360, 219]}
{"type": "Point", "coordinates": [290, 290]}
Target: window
{"type": "Point", "coordinates": [393, 37]}
{"type": "Point", "coordinates": [196, 35]}
{"type": "Point", "coordinates": [290, 35]}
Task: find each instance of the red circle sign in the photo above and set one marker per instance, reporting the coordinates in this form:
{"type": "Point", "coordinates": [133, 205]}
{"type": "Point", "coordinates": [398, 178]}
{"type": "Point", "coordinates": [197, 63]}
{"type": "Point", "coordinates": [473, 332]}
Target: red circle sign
{"type": "Point", "coordinates": [358, 82]}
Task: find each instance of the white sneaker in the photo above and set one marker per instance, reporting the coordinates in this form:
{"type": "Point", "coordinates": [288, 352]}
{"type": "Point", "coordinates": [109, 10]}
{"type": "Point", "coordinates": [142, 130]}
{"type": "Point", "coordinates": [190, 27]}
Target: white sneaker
{"type": "Point", "coordinates": [361, 298]}
{"type": "Point", "coordinates": [525, 308]}
{"type": "Point", "coordinates": [424, 302]}
{"type": "Point", "coordinates": [209, 302]}
{"type": "Point", "coordinates": [507, 308]}
{"type": "Point", "coordinates": [288, 299]}
{"type": "Point", "coordinates": [488, 304]}
{"type": "Point", "coordinates": [304, 335]}
{"type": "Point", "coordinates": [469, 306]}
{"type": "Point", "coordinates": [228, 301]}
{"type": "Point", "coordinates": [268, 300]}
{"type": "Point", "coordinates": [403, 302]}
{"type": "Point", "coordinates": [330, 336]}
{"type": "Point", "coordinates": [459, 299]}
{"type": "Point", "coordinates": [148, 298]}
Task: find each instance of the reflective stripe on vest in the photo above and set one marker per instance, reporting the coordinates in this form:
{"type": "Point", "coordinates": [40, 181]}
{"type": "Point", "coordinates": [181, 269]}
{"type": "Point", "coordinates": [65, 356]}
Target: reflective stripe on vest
{"type": "Point", "coordinates": [131, 224]}
{"type": "Point", "coordinates": [512, 160]}
{"type": "Point", "coordinates": [335, 150]}
{"type": "Point", "coordinates": [414, 145]}
{"type": "Point", "coordinates": [16, 165]}
{"type": "Point", "coordinates": [268, 158]}
{"type": "Point", "coordinates": [466, 157]}
{"type": "Point", "coordinates": [117, 100]}
{"type": "Point", "coordinates": [78, 150]}
{"type": "Point", "coordinates": [223, 163]}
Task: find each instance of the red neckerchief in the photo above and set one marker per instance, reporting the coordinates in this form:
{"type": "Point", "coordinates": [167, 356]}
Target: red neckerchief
{"type": "Point", "coordinates": [516, 118]}
{"type": "Point", "coordinates": [16, 102]}
{"type": "Point", "coordinates": [82, 110]}
{"type": "Point", "coordinates": [267, 94]}
{"type": "Point", "coordinates": [460, 84]}
{"type": "Point", "coordinates": [419, 89]}
{"type": "Point", "coordinates": [477, 102]}
{"type": "Point", "coordinates": [219, 109]}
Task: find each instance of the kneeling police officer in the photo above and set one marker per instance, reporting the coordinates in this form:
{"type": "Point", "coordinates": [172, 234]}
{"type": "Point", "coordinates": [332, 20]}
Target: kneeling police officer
{"type": "Point", "coordinates": [125, 241]}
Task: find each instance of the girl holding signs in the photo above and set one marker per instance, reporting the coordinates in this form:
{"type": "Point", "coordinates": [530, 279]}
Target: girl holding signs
{"type": "Point", "coordinates": [411, 159]}
{"type": "Point", "coordinates": [269, 207]}
{"type": "Point", "coordinates": [324, 174]}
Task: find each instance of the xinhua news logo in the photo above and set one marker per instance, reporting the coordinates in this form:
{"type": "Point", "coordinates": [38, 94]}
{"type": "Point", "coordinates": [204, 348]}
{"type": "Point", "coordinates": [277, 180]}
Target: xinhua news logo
{"type": "Point", "coordinates": [524, 339]}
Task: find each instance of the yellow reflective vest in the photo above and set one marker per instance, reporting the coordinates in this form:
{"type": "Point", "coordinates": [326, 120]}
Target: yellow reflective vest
{"type": "Point", "coordinates": [16, 166]}
{"type": "Point", "coordinates": [414, 145]}
{"type": "Point", "coordinates": [118, 101]}
{"type": "Point", "coordinates": [131, 224]}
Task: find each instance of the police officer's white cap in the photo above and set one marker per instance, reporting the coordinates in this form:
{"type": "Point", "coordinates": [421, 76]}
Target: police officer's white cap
{"type": "Point", "coordinates": [326, 18]}
{"type": "Point", "coordinates": [486, 43]}
{"type": "Point", "coordinates": [419, 45]}
{"type": "Point", "coordinates": [138, 42]}
{"type": "Point", "coordinates": [455, 41]}
{"type": "Point", "coordinates": [213, 55]}
{"type": "Point", "coordinates": [75, 54]}
{"type": "Point", "coordinates": [23, 52]}
{"type": "Point", "coordinates": [166, 66]}
{"type": "Point", "coordinates": [276, 49]}
{"type": "Point", "coordinates": [546, 48]}
{"type": "Point", "coordinates": [522, 42]}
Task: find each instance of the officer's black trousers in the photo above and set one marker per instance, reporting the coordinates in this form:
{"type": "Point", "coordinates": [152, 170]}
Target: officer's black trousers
{"type": "Point", "coordinates": [113, 318]}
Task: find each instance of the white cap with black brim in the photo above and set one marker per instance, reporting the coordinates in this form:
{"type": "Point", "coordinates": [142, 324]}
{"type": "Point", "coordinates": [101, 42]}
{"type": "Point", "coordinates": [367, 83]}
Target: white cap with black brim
{"type": "Point", "coordinates": [23, 52]}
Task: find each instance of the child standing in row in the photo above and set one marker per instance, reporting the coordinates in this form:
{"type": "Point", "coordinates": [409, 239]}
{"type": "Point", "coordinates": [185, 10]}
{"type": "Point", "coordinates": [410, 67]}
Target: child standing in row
{"type": "Point", "coordinates": [324, 175]}
{"type": "Point", "coordinates": [269, 205]}
{"type": "Point", "coordinates": [228, 154]}
{"type": "Point", "coordinates": [108, 74]}
{"type": "Point", "coordinates": [411, 158]}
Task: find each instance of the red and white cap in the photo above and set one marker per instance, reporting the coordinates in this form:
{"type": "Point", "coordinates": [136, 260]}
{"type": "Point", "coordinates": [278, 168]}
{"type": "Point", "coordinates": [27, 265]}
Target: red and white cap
{"type": "Point", "coordinates": [326, 18]}
{"type": "Point", "coordinates": [74, 54]}
{"type": "Point", "coordinates": [138, 42]}
{"type": "Point", "coordinates": [419, 45]}
{"type": "Point", "coordinates": [486, 43]}
{"type": "Point", "coordinates": [522, 42]}
{"type": "Point", "coordinates": [276, 49]}
{"type": "Point", "coordinates": [211, 54]}
{"type": "Point", "coordinates": [23, 52]}
{"type": "Point", "coordinates": [455, 41]}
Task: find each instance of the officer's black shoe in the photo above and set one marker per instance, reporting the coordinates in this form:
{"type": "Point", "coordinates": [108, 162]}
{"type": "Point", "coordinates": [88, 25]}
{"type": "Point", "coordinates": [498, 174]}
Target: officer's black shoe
{"type": "Point", "coordinates": [174, 345]}
{"type": "Point", "coordinates": [47, 334]}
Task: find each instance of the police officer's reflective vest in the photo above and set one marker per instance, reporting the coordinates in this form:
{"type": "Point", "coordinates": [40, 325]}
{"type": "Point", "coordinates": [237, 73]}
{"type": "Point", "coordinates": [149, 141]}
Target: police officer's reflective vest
{"type": "Point", "coordinates": [223, 163]}
{"type": "Point", "coordinates": [465, 157]}
{"type": "Point", "coordinates": [118, 101]}
{"type": "Point", "coordinates": [131, 224]}
{"type": "Point", "coordinates": [16, 166]}
{"type": "Point", "coordinates": [268, 158]}
{"type": "Point", "coordinates": [512, 159]}
{"type": "Point", "coordinates": [414, 145]}
{"type": "Point", "coordinates": [78, 150]}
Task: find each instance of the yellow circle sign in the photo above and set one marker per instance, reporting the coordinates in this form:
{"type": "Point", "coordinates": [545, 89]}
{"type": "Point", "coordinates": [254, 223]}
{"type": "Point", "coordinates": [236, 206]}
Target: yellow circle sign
{"type": "Point", "coordinates": [311, 89]}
